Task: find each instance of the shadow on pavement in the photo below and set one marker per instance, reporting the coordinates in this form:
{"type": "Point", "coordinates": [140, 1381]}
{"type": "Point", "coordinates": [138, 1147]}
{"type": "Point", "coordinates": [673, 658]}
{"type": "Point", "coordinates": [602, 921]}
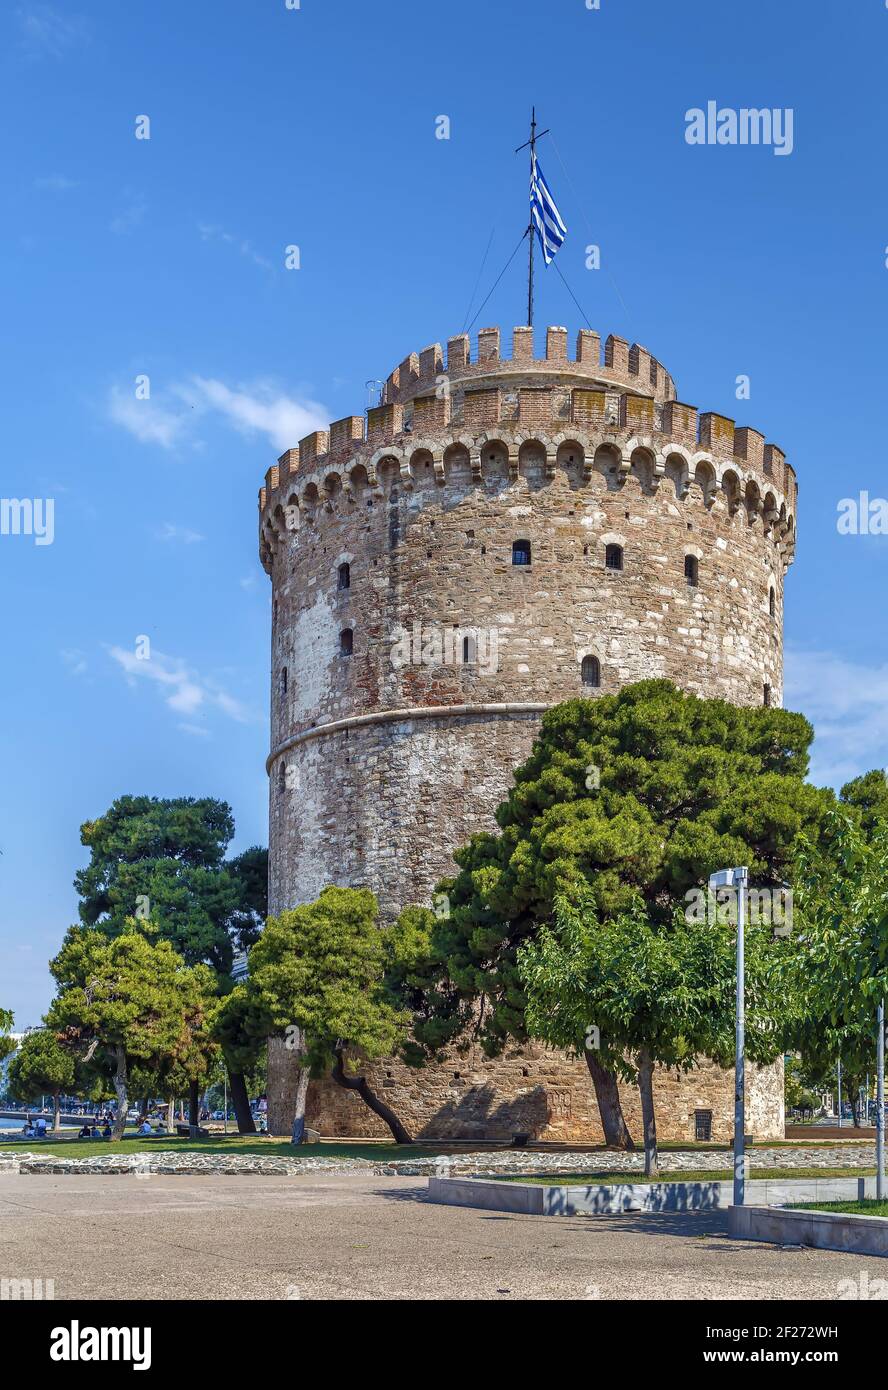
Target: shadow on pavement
{"type": "Point", "coordinates": [658, 1223]}
{"type": "Point", "coordinates": [699, 1225]}
{"type": "Point", "coordinates": [402, 1194]}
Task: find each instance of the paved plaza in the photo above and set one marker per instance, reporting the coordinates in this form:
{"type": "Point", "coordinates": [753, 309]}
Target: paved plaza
{"type": "Point", "coordinates": [360, 1237]}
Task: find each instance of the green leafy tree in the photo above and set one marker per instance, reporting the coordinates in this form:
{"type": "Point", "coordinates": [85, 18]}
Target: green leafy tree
{"type": "Point", "coordinates": [128, 999]}
{"type": "Point", "coordinates": [866, 800]}
{"type": "Point", "coordinates": [648, 994]}
{"type": "Point", "coordinates": [249, 872]}
{"type": "Point", "coordinates": [197, 1049]}
{"type": "Point", "coordinates": [163, 862]}
{"type": "Point", "coordinates": [242, 1048]}
{"type": "Point", "coordinates": [821, 1045]}
{"type": "Point", "coordinates": [318, 976]}
{"type": "Point", "coordinates": [186, 1070]}
{"type": "Point", "coordinates": [800, 1087]}
{"type": "Point", "coordinates": [837, 970]}
{"type": "Point", "coordinates": [40, 1067]}
{"type": "Point", "coordinates": [634, 798]}
{"type": "Point", "coordinates": [7, 1044]}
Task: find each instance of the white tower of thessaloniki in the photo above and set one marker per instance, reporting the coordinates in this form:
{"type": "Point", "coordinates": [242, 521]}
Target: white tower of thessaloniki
{"type": "Point", "coordinates": [504, 533]}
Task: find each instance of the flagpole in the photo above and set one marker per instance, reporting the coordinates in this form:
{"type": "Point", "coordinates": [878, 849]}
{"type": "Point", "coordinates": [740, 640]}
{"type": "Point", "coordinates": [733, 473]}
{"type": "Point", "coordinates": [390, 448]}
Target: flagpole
{"type": "Point", "coordinates": [532, 144]}
{"type": "Point", "coordinates": [533, 124]}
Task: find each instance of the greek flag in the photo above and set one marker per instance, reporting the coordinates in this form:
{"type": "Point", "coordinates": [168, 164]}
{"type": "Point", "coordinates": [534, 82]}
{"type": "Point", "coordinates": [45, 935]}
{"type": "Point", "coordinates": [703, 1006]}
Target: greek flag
{"type": "Point", "coordinates": [545, 215]}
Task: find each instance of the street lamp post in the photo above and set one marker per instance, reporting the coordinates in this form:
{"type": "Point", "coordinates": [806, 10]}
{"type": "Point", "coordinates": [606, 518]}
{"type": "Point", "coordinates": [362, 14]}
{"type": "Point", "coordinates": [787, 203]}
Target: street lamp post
{"type": "Point", "coordinates": [880, 1104]}
{"type": "Point", "coordinates": [738, 879]}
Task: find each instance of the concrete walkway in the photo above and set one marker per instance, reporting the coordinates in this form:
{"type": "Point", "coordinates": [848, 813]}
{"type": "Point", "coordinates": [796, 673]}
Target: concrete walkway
{"type": "Point", "coordinates": [370, 1238]}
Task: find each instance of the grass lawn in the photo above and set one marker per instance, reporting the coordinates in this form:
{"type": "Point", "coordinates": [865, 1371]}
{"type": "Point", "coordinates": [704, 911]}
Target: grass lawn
{"type": "Point", "coordinates": [379, 1152]}
{"type": "Point", "coordinates": [849, 1138]}
{"type": "Point", "coordinates": [868, 1207]}
{"type": "Point", "coordinates": [375, 1151]}
{"type": "Point", "coordinates": [717, 1175]}
{"type": "Point", "coordinates": [233, 1144]}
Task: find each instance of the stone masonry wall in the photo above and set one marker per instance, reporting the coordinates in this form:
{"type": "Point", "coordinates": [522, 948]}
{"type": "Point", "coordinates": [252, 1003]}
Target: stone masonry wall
{"type": "Point", "coordinates": [544, 1094]}
{"type": "Point", "coordinates": [394, 742]}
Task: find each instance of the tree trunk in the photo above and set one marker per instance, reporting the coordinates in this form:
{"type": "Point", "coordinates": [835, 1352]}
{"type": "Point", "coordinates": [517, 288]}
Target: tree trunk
{"type": "Point", "coordinates": [648, 1118]}
{"type": "Point", "coordinates": [369, 1097]}
{"type": "Point", "coordinates": [171, 1115]}
{"type": "Point", "coordinates": [237, 1087]}
{"type": "Point", "coordinates": [284, 1075]}
{"type": "Point", "coordinates": [299, 1113]}
{"type": "Point", "coordinates": [143, 1110]}
{"type": "Point", "coordinates": [855, 1110]}
{"type": "Point", "coordinates": [296, 1047]}
{"type": "Point", "coordinates": [120, 1092]}
{"type": "Point", "coordinates": [616, 1133]}
{"type": "Point", "coordinates": [56, 1113]}
{"type": "Point", "coordinates": [193, 1109]}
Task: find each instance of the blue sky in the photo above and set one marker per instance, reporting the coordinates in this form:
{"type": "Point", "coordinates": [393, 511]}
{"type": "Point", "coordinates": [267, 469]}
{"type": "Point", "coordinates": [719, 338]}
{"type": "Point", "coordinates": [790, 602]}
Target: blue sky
{"type": "Point", "coordinates": [315, 127]}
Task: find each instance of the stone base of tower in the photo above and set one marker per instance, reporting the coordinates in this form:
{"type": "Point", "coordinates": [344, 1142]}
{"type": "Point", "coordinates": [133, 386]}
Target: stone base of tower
{"type": "Point", "coordinates": [537, 1092]}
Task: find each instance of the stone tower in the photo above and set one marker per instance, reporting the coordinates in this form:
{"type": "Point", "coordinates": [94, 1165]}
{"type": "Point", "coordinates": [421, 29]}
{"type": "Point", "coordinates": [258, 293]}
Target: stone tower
{"type": "Point", "coordinates": [507, 532]}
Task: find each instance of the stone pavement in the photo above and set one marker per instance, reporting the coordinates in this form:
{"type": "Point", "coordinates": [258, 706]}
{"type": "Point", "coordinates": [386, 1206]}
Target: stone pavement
{"type": "Point", "coordinates": [363, 1237]}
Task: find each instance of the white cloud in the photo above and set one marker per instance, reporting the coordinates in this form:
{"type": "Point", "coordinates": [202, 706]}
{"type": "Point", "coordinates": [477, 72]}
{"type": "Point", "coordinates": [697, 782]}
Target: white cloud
{"type": "Point", "coordinates": [255, 408]}
{"type": "Point", "coordinates": [170, 532]}
{"type": "Point", "coordinates": [183, 690]}
{"type": "Point", "coordinates": [214, 233]}
{"type": "Point", "coordinates": [149, 422]}
{"type": "Point", "coordinates": [260, 409]}
{"type": "Point", "coordinates": [847, 702]}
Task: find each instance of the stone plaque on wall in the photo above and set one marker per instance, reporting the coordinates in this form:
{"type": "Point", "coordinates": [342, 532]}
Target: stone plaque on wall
{"type": "Point", "coordinates": [559, 1105]}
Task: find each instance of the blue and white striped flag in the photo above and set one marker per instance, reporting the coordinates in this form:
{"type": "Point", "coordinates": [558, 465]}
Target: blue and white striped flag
{"type": "Point", "coordinates": [545, 215]}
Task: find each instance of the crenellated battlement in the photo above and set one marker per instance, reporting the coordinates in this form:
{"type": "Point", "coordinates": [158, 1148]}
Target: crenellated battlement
{"type": "Point", "coordinates": [496, 415]}
{"type": "Point", "coordinates": [624, 364]}
{"type": "Point", "coordinates": [301, 498]}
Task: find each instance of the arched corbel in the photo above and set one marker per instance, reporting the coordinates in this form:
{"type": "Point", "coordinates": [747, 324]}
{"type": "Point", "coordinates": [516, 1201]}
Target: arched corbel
{"type": "Point", "coordinates": [513, 462]}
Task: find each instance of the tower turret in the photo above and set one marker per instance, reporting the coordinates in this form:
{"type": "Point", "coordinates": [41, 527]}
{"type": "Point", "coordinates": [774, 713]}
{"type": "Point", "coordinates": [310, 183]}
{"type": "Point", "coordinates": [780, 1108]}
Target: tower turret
{"type": "Point", "coordinates": [502, 533]}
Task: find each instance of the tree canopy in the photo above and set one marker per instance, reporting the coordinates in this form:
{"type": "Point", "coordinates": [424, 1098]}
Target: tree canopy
{"type": "Point", "coordinates": [633, 799]}
{"type": "Point", "coordinates": [41, 1066]}
{"type": "Point", "coordinates": [131, 1000]}
{"type": "Point", "coordinates": [318, 974]}
{"type": "Point", "coordinates": [7, 1044]}
{"type": "Point", "coordinates": [161, 862]}
{"type": "Point", "coordinates": [836, 971]}
{"type": "Point", "coordinates": [321, 968]}
{"type": "Point", "coordinates": [651, 994]}
{"type": "Point", "coordinates": [164, 861]}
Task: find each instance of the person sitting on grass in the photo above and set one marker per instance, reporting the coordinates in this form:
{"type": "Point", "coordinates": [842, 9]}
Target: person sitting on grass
{"type": "Point", "coordinates": [85, 1133]}
{"type": "Point", "coordinates": [106, 1132]}
{"type": "Point", "coordinates": [145, 1128]}
{"type": "Point", "coordinates": [95, 1133]}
